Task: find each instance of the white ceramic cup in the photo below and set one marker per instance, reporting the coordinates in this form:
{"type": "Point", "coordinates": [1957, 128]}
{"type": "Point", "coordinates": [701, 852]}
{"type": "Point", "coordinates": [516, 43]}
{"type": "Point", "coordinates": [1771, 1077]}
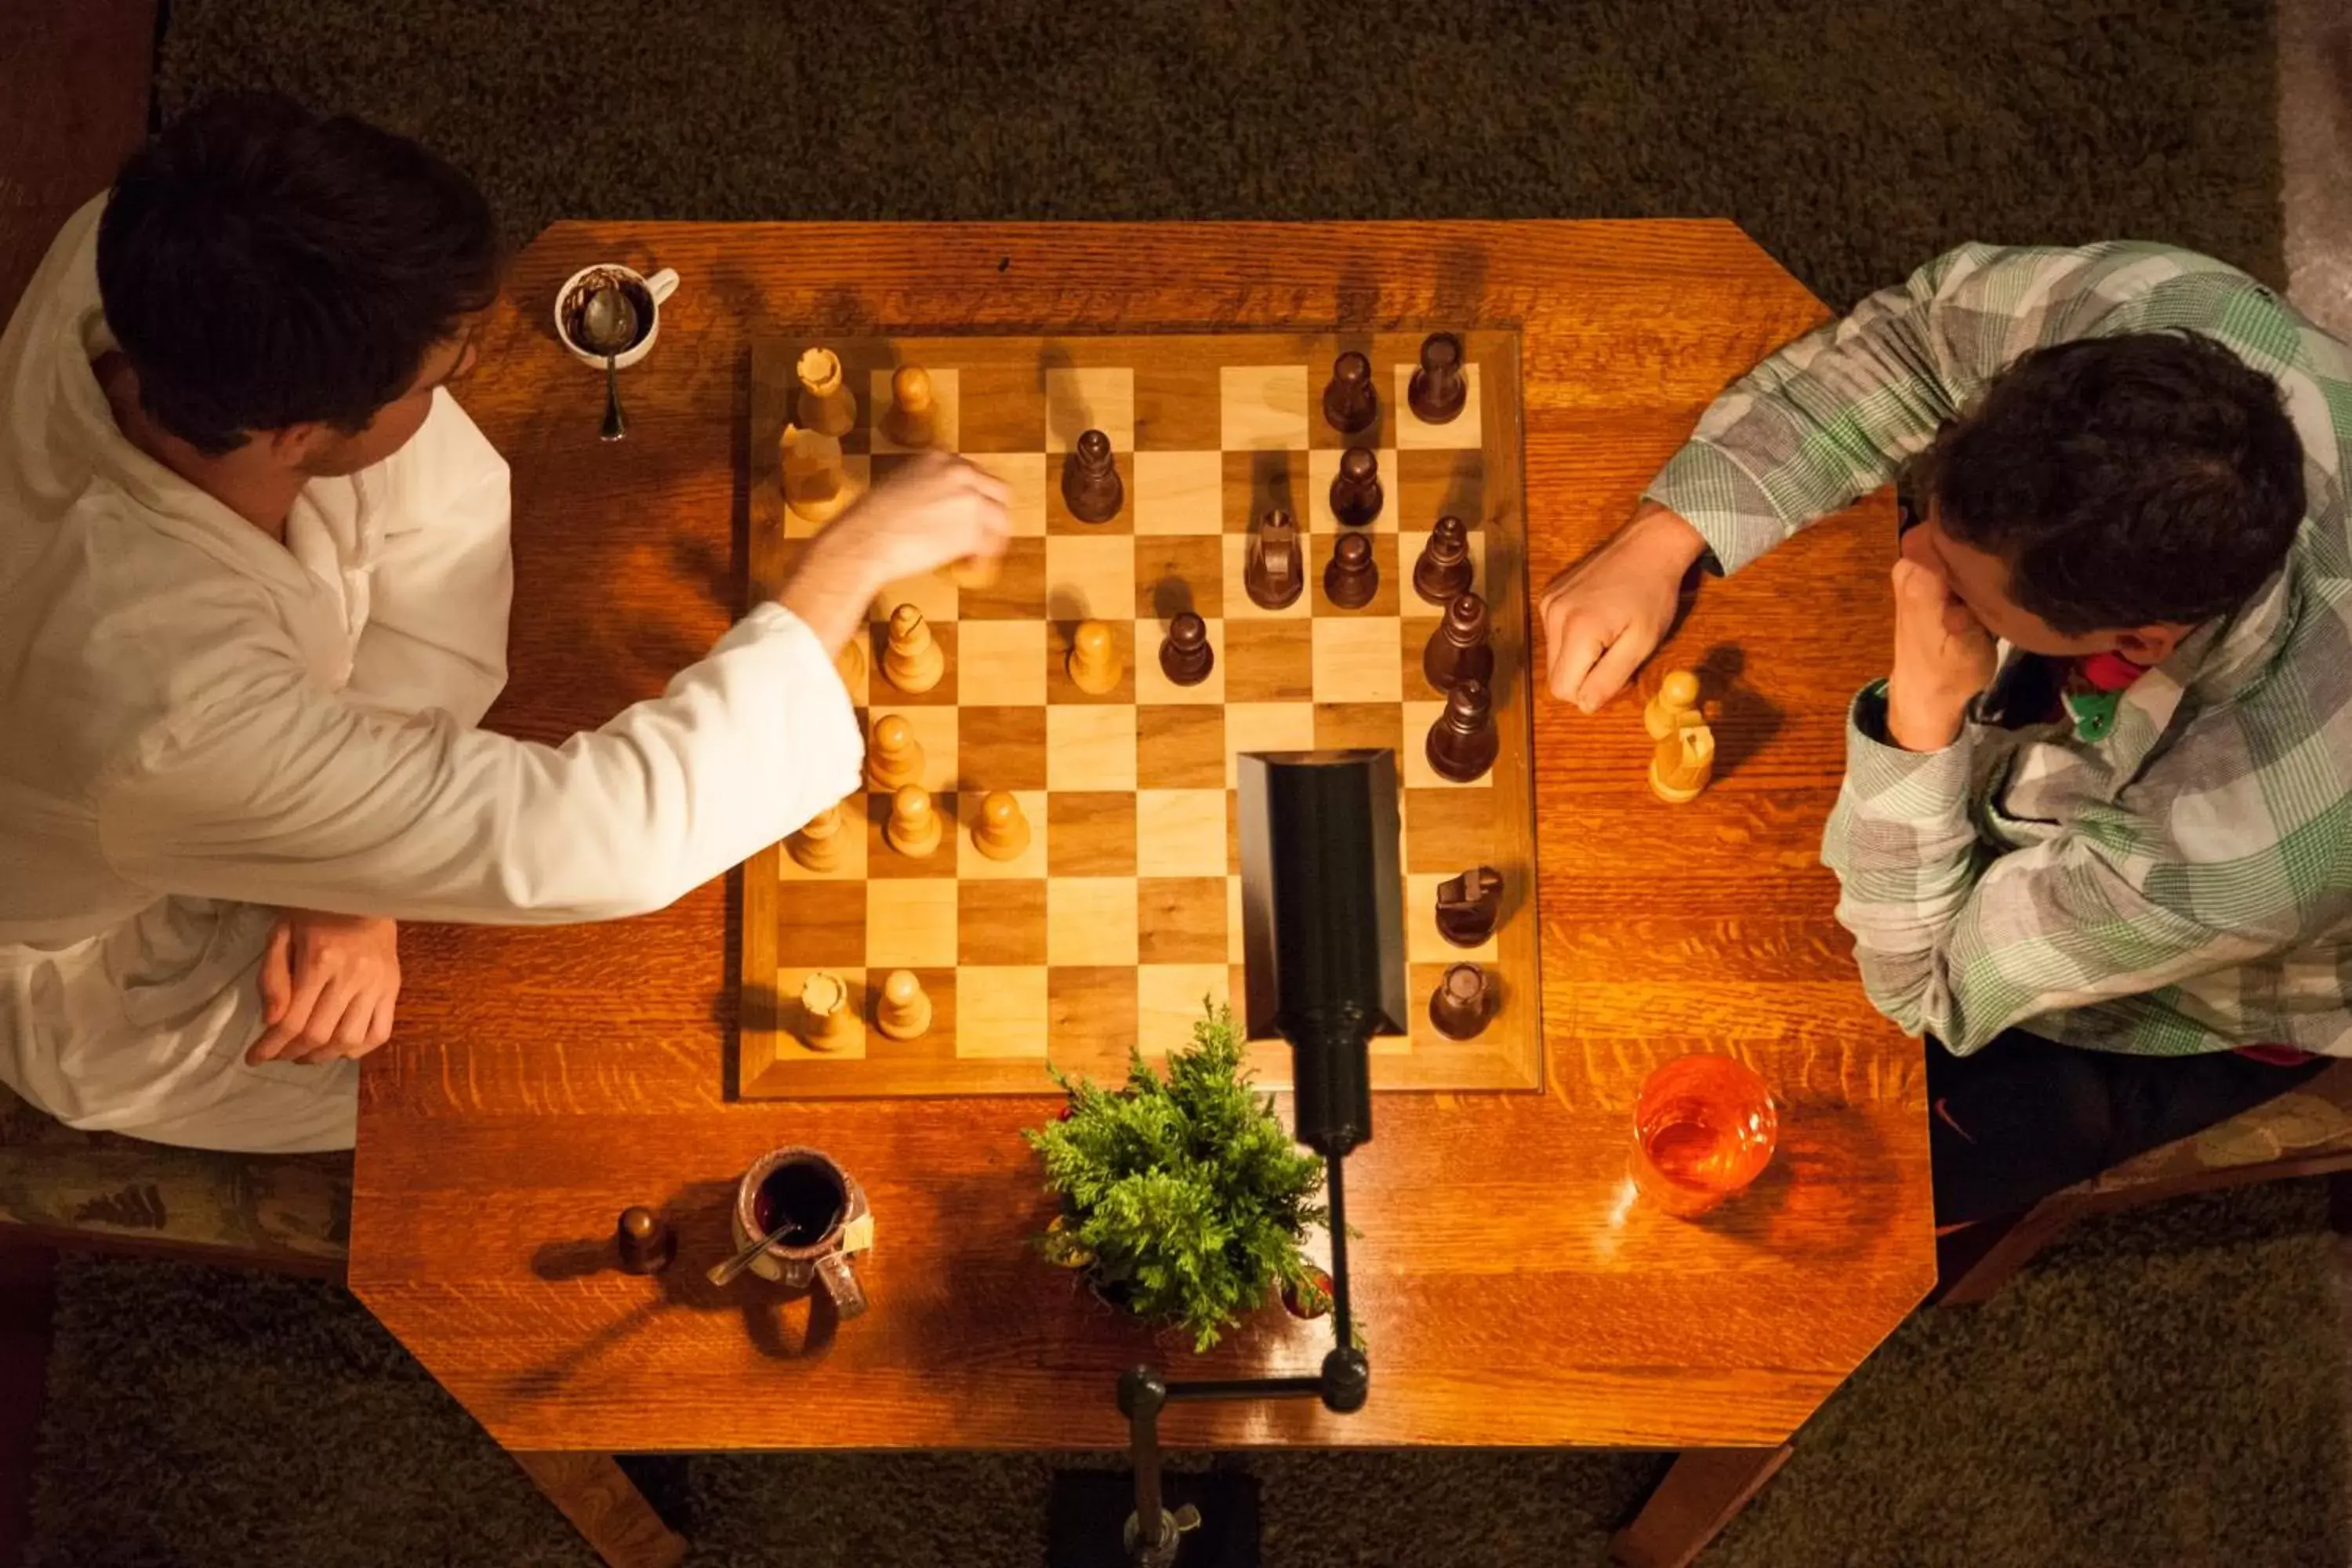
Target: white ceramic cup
{"type": "Point", "coordinates": [568, 299]}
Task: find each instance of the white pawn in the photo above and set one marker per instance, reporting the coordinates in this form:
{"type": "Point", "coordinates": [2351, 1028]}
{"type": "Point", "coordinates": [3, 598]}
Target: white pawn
{"type": "Point", "coordinates": [817, 846]}
{"type": "Point", "coordinates": [904, 1012]}
{"type": "Point", "coordinates": [913, 829]}
{"type": "Point", "coordinates": [895, 757]}
{"type": "Point", "coordinates": [909, 421]}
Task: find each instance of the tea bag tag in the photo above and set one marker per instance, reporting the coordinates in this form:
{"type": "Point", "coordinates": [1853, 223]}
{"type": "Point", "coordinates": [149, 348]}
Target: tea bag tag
{"type": "Point", "coordinates": [857, 1235]}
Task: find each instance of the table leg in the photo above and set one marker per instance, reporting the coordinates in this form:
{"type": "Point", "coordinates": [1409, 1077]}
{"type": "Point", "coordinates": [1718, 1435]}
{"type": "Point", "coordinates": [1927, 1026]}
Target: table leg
{"type": "Point", "coordinates": [604, 1506]}
{"type": "Point", "coordinates": [1703, 1492]}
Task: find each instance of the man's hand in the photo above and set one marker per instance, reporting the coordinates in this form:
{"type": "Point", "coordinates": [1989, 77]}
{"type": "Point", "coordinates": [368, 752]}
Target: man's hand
{"type": "Point", "coordinates": [1943, 654]}
{"type": "Point", "coordinates": [327, 983]}
{"type": "Point", "coordinates": [1606, 614]}
{"type": "Point", "coordinates": [935, 511]}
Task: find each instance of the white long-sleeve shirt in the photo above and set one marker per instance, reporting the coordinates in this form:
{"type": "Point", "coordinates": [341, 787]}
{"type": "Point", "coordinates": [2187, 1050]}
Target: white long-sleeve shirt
{"type": "Point", "coordinates": [198, 724]}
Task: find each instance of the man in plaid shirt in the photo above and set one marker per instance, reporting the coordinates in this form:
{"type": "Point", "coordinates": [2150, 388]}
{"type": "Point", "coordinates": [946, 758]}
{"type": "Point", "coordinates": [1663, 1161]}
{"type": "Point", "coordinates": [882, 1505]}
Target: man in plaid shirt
{"type": "Point", "coordinates": [2104, 797]}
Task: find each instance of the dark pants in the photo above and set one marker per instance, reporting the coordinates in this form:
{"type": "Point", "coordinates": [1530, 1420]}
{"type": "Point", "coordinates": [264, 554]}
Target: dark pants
{"type": "Point", "coordinates": [2024, 1117]}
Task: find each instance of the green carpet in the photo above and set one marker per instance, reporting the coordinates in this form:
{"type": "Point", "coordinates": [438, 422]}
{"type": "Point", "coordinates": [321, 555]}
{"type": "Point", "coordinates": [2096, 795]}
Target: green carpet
{"type": "Point", "coordinates": [1853, 140]}
{"type": "Point", "coordinates": [2166, 1387]}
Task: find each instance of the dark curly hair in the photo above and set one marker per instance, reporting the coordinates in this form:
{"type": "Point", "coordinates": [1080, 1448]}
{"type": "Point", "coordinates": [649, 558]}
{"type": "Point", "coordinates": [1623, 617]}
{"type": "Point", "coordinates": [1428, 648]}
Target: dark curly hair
{"type": "Point", "coordinates": [263, 266]}
{"type": "Point", "coordinates": [2126, 481]}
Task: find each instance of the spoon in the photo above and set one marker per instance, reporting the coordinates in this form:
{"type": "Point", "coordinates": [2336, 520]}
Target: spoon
{"type": "Point", "coordinates": [724, 1273]}
{"type": "Point", "coordinates": [608, 325]}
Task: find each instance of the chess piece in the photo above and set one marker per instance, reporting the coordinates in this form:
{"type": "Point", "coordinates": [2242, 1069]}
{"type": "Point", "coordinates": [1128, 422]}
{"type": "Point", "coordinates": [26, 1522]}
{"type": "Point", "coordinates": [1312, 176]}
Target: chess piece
{"type": "Point", "coordinates": [644, 1240]}
{"type": "Point", "coordinates": [913, 829]}
{"type": "Point", "coordinates": [1356, 495]}
{"type": "Point", "coordinates": [1001, 833]}
{"type": "Point", "coordinates": [850, 662]}
{"type": "Point", "coordinates": [826, 1021]}
{"type": "Point", "coordinates": [1185, 656]}
{"type": "Point", "coordinates": [912, 660]}
{"type": "Point", "coordinates": [1683, 762]}
{"type": "Point", "coordinates": [894, 758]}
{"type": "Point", "coordinates": [1675, 705]}
{"type": "Point", "coordinates": [1462, 743]}
{"type": "Point", "coordinates": [1469, 905]}
{"type": "Point", "coordinates": [816, 485]}
{"type": "Point", "coordinates": [1091, 487]}
{"type": "Point", "coordinates": [1272, 571]}
{"type": "Point", "coordinates": [1458, 650]}
{"type": "Point", "coordinates": [1438, 389]}
{"type": "Point", "coordinates": [819, 844]}
{"type": "Point", "coordinates": [1093, 661]}
{"type": "Point", "coordinates": [1445, 567]}
{"type": "Point", "coordinates": [1461, 1003]}
{"type": "Point", "coordinates": [909, 420]}
{"type": "Point", "coordinates": [1353, 576]}
{"type": "Point", "coordinates": [1352, 405]}
{"type": "Point", "coordinates": [976, 571]}
{"type": "Point", "coordinates": [903, 1011]}
{"type": "Point", "coordinates": [825, 404]}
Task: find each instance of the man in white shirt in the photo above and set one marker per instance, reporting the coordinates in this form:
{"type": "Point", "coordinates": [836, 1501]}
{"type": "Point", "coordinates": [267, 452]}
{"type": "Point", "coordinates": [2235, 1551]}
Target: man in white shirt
{"type": "Point", "coordinates": [254, 583]}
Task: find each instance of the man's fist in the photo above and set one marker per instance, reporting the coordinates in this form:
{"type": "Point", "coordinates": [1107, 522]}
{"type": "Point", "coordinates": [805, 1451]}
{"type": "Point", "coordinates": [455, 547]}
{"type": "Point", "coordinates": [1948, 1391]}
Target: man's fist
{"type": "Point", "coordinates": [1943, 654]}
{"type": "Point", "coordinates": [933, 512]}
{"type": "Point", "coordinates": [1605, 614]}
{"type": "Point", "coordinates": [328, 985]}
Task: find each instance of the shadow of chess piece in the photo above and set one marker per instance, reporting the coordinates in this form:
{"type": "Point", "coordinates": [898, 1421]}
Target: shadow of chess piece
{"type": "Point", "coordinates": [1185, 656]}
{"type": "Point", "coordinates": [1462, 1002]}
{"type": "Point", "coordinates": [1356, 495]}
{"type": "Point", "coordinates": [644, 1240]}
{"type": "Point", "coordinates": [1352, 405]}
{"type": "Point", "coordinates": [825, 404]}
{"type": "Point", "coordinates": [1458, 650]}
{"type": "Point", "coordinates": [1353, 576]}
{"type": "Point", "coordinates": [1091, 487]}
{"type": "Point", "coordinates": [910, 420]}
{"type": "Point", "coordinates": [1469, 905]}
{"type": "Point", "coordinates": [1462, 742]}
{"type": "Point", "coordinates": [1445, 567]}
{"type": "Point", "coordinates": [1273, 573]}
{"type": "Point", "coordinates": [1438, 389]}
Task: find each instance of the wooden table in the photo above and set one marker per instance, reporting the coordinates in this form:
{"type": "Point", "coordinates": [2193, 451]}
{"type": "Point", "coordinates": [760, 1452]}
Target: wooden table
{"type": "Point", "coordinates": [1511, 1291]}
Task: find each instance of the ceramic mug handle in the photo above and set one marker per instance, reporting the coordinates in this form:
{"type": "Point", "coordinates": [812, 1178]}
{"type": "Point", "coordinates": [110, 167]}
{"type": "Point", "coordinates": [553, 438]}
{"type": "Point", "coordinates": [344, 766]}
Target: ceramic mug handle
{"type": "Point", "coordinates": [662, 285]}
{"type": "Point", "coordinates": [848, 1295]}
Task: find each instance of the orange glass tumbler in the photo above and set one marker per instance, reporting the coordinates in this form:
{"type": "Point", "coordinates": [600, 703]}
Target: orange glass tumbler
{"type": "Point", "coordinates": [1704, 1128]}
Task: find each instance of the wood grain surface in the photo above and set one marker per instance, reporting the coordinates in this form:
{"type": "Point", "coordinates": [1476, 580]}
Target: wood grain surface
{"type": "Point", "coordinates": [1510, 1290]}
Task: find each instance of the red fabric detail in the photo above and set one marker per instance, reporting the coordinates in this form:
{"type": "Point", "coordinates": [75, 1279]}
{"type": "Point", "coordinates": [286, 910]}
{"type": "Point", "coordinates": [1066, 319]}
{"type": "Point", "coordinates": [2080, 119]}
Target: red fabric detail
{"type": "Point", "coordinates": [2275, 1056]}
{"type": "Point", "coordinates": [2109, 671]}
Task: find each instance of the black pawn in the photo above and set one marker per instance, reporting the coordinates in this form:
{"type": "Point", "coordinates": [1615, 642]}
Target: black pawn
{"type": "Point", "coordinates": [1444, 569]}
{"type": "Point", "coordinates": [1462, 743]}
{"type": "Point", "coordinates": [1356, 489]}
{"type": "Point", "coordinates": [1469, 905]}
{"type": "Point", "coordinates": [1273, 573]}
{"type": "Point", "coordinates": [1438, 389]}
{"type": "Point", "coordinates": [1090, 482]}
{"type": "Point", "coordinates": [1460, 1003]}
{"type": "Point", "coordinates": [1353, 576]}
{"type": "Point", "coordinates": [1352, 405]}
{"type": "Point", "coordinates": [1458, 650]}
{"type": "Point", "coordinates": [1185, 656]}
{"type": "Point", "coordinates": [644, 1240]}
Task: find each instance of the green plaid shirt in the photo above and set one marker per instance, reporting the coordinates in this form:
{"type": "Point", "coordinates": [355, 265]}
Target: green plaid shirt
{"type": "Point", "coordinates": [2182, 883]}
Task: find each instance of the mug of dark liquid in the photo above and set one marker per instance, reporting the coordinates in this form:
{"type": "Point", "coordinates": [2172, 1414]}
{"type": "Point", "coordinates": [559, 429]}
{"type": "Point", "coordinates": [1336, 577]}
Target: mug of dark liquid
{"type": "Point", "coordinates": [826, 1219]}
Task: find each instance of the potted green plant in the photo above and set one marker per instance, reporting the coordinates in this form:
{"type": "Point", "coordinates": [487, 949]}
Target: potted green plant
{"type": "Point", "coordinates": [1184, 1199]}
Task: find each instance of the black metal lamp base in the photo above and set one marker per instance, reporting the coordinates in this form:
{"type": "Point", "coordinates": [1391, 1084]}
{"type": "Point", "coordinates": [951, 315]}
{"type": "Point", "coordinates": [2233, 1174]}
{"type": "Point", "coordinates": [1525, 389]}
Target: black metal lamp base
{"type": "Point", "coordinates": [1087, 1518]}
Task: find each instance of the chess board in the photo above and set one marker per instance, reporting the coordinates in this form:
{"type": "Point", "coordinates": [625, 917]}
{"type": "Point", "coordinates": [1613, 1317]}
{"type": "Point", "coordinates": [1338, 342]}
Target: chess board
{"type": "Point", "coordinates": [1123, 912]}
